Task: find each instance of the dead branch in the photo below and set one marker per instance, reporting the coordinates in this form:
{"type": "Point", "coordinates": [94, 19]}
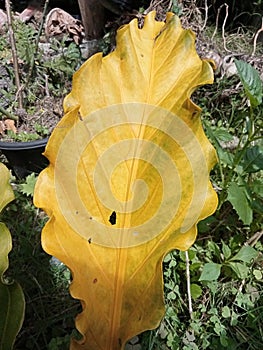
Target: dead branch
{"type": "Point", "coordinates": [206, 16]}
{"type": "Point", "coordinates": [36, 46]}
{"type": "Point", "coordinates": [256, 38]}
{"type": "Point", "coordinates": [223, 28]}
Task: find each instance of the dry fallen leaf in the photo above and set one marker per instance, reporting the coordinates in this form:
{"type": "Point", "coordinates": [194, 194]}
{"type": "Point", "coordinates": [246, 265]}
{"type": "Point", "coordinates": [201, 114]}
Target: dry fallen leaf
{"type": "Point", "coordinates": [2, 127]}
{"type": "Point", "coordinates": [10, 125]}
{"type": "Point", "coordinates": [59, 23]}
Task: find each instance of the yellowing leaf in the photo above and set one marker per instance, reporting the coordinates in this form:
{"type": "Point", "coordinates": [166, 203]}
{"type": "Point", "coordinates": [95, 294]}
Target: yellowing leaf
{"type": "Point", "coordinates": [128, 178]}
{"type": "Point", "coordinates": [7, 194]}
{"type": "Point", "coordinates": [12, 303]}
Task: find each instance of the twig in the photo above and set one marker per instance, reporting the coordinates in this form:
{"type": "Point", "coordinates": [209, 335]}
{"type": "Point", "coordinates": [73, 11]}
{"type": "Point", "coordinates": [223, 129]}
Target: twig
{"type": "Point", "coordinates": [223, 28]}
{"type": "Point", "coordinates": [206, 16]}
{"type": "Point", "coordinates": [187, 263]}
{"type": "Point", "coordinates": [14, 53]}
{"type": "Point", "coordinates": [46, 85]}
{"type": "Point", "coordinates": [217, 19]}
{"type": "Point", "coordinates": [256, 38]}
{"type": "Point", "coordinates": [253, 240]}
{"type": "Point", "coordinates": [32, 63]}
{"type": "Point", "coordinates": [8, 114]}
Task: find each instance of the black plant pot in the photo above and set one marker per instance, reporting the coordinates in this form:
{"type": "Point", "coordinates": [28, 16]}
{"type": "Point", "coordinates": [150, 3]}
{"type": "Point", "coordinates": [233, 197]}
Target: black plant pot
{"type": "Point", "coordinates": [25, 157]}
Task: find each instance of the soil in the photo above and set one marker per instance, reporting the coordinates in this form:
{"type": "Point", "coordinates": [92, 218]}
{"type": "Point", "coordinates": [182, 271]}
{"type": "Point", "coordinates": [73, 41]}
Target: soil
{"type": "Point", "coordinates": [47, 114]}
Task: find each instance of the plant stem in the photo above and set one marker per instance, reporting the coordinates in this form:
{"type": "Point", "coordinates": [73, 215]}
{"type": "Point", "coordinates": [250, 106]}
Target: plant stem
{"type": "Point", "coordinates": [35, 50]}
{"type": "Point", "coordinates": [190, 306]}
{"type": "Point", "coordinates": [14, 53]}
{"type": "Point", "coordinates": [8, 114]}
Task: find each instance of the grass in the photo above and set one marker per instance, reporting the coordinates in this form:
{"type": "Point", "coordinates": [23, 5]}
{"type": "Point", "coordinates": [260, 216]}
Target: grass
{"type": "Point", "coordinates": [50, 310]}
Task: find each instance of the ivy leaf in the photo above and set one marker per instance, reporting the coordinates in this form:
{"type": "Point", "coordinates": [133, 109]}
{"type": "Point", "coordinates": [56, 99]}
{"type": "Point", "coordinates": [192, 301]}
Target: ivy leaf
{"type": "Point", "coordinates": [251, 81]}
{"type": "Point", "coordinates": [128, 178]}
{"type": "Point", "coordinates": [237, 196]}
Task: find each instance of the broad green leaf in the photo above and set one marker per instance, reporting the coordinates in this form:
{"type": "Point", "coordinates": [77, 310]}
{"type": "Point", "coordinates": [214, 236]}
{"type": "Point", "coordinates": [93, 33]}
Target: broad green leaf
{"type": "Point", "coordinates": [241, 270]}
{"type": "Point", "coordinates": [225, 156]}
{"type": "Point", "coordinates": [196, 290]}
{"type": "Point", "coordinates": [238, 198]}
{"type": "Point", "coordinates": [246, 254]}
{"type": "Point", "coordinates": [128, 178]}
{"type": "Point", "coordinates": [222, 135]}
{"type": "Point", "coordinates": [211, 272]}
{"type": "Point", "coordinates": [253, 159]}
{"type": "Point", "coordinates": [251, 81]}
{"type": "Point", "coordinates": [12, 302]}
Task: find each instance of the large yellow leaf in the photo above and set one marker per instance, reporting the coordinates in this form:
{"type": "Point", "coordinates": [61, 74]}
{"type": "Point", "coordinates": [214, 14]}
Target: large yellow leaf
{"type": "Point", "coordinates": [128, 178]}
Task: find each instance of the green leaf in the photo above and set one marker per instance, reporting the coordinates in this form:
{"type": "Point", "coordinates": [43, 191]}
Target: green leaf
{"type": "Point", "coordinates": [226, 251]}
{"type": "Point", "coordinates": [224, 339]}
{"type": "Point", "coordinates": [224, 156]}
{"type": "Point", "coordinates": [241, 270]}
{"type": "Point", "coordinates": [251, 81]}
{"type": "Point", "coordinates": [253, 159]}
{"type": "Point", "coordinates": [12, 303]}
{"type": "Point", "coordinates": [28, 187]}
{"type": "Point", "coordinates": [257, 187]}
{"type": "Point", "coordinates": [246, 254]}
{"type": "Point", "coordinates": [196, 290]}
{"type": "Point", "coordinates": [257, 274]}
{"type": "Point", "coordinates": [234, 319]}
{"type": "Point", "coordinates": [211, 272]}
{"type": "Point", "coordinates": [222, 135]}
{"type": "Point", "coordinates": [238, 198]}
{"type": "Point", "coordinates": [226, 312]}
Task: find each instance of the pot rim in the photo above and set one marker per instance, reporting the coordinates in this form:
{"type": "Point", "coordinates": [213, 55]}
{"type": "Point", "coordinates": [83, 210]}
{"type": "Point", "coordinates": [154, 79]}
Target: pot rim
{"type": "Point", "coordinates": [15, 146]}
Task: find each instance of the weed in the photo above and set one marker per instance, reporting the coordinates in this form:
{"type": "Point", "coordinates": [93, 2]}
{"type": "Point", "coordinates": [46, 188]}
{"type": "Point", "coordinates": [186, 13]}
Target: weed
{"type": "Point", "coordinates": [50, 310]}
{"type": "Point", "coordinates": [226, 261]}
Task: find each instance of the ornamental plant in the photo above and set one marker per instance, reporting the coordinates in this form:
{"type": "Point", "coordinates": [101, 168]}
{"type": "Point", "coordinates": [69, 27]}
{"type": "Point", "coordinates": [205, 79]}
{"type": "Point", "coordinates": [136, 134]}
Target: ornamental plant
{"type": "Point", "coordinates": [12, 303]}
{"type": "Point", "coordinates": [128, 179]}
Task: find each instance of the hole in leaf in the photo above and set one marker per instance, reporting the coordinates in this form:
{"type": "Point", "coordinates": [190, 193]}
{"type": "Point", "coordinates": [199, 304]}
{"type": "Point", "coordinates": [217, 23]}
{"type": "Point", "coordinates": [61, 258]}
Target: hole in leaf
{"type": "Point", "coordinates": [112, 218]}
